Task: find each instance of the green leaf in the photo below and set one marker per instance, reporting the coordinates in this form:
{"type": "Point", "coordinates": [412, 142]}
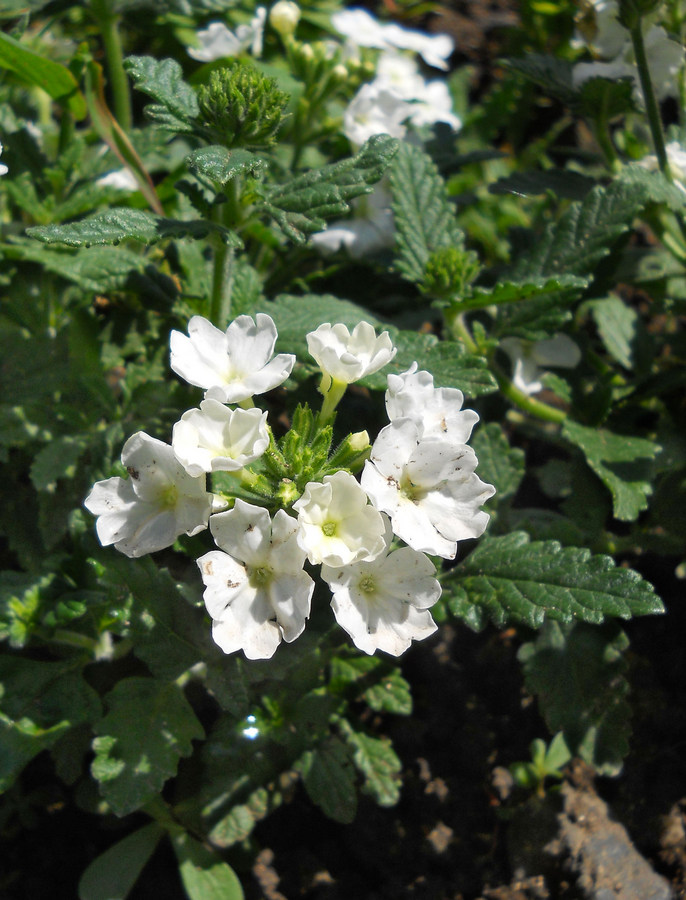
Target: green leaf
{"type": "Point", "coordinates": [378, 762]}
{"type": "Point", "coordinates": [448, 361]}
{"type": "Point", "coordinates": [221, 165]}
{"type": "Point", "coordinates": [512, 581]}
{"type": "Point", "coordinates": [518, 292]}
{"type": "Point", "coordinates": [584, 234]}
{"type": "Point", "coordinates": [616, 326]}
{"type": "Point", "coordinates": [240, 822]}
{"type": "Point", "coordinates": [135, 754]}
{"type": "Point", "coordinates": [58, 460]}
{"type": "Point", "coordinates": [32, 68]}
{"type": "Point", "coordinates": [163, 81]}
{"type": "Point", "coordinates": [329, 778]}
{"type": "Point", "coordinates": [564, 183]}
{"type": "Point", "coordinates": [653, 186]}
{"type": "Point", "coordinates": [605, 98]}
{"type": "Point", "coordinates": [204, 875]}
{"type": "Point", "coordinates": [578, 675]}
{"type": "Point", "coordinates": [381, 684]}
{"type": "Point", "coordinates": [499, 464]}
{"type": "Point", "coordinates": [303, 205]}
{"type": "Point", "coordinates": [20, 604]}
{"type": "Point", "coordinates": [622, 463]}
{"type": "Point", "coordinates": [112, 875]}
{"type": "Point", "coordinates": [424, 216]}
{"type": "Point", "coordinates": [120, 224]}
{"type": "Point", "coordinates": [552, 74]}
{"type": "Point", "coordinates": [39, 703]}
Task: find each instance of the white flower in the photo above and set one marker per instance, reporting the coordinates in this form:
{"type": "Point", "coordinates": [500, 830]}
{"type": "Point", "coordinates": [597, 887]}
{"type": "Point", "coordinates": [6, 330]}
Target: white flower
{"type": "Point", "coordinates": [428, 487]}
{"type": "Point", "coordinates": [602, 31]}
{"type": "Point", "coordinates": [676, 157]}
{"type": "Point", "coordinates": [255, 590]}
{"type": "Point", "coordinates": [384, 604]}
{"type": "Point", "coordinates": [284, 17]}
{"type": "Point", "coordinates": [372, 227]}
{"type": "Point", "coordinates": [375, 110]}
{"type": "Point", "coordinates": [217, 41]}
{"type": "Point", "coordinates": [3, 168]}
{"type": "Point", "coordinates": [215, 438]}
{"type": "Point", "coordinates": [529, 358]}
{"type": "Point", "coordinates": [363, 30]}
{"type": "Point", "coordinates": [121, 179]}
{"type": "Point", "coordinates": [430, 101]}
{"type": "Point", "coordinates": [437, 412]}
{"type": "Point", "coordinates": [347, 357]}
{"type": "Point", "coordinates": [233, 365]}
{"type": "Point", "coordinates": [337, 526]}
{"type": "Point", "coordinates": [159, 502]}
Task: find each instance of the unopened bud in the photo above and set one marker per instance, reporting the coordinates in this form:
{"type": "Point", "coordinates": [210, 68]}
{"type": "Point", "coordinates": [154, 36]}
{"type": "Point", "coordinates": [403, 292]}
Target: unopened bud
{"type": "Point", "coordinates": [358, 441]}
{"type": "Point", "coordinates": [284, 17]}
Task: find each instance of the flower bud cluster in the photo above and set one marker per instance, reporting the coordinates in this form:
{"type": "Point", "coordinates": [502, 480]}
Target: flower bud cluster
{"type": "Point", "coordinates": [304, 502]}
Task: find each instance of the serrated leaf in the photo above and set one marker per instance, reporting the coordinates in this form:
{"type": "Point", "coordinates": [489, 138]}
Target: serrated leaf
{"type": "Point", "coordinates": [512, 581]}
{"type": "Point", "coordinates": [448, 361]}
{"type": "Point", "coordinates": [519, 292]}
{"type": "Point", "coordinates": [378, 762]}
{"type": "Point", "coordinates": [222, 165]}
{"type": "Point", "coordinates": [424, 217]}
{"type": "Point", "coordinates": [564, 183]}
{"type": "Point", "coordinates": [240, 822]}
{"type": "Point", "coordinates": [499, 464]}
{"type": "Point", "coordinates": [552, 74]}
{"type": "Point", "coordinates": [621, 462]}
{"type": "Point", "coordinates": [388, 690]}
{"type": "Point", "coordinates": [329, 778]}
{"type": "Point", "coordinates": [135, 754]}
{"type": "Point", "coordinates": [57, 460]}
{"type": "Point", "coordinates": [578, 675]}
{"type": "Point", "coordinates": [616, 326]}
{"type": "Point", "coordinates": [163, 81]}
{"type": "Point", "coordinates": [303, 205]}
{"type": "Point", "coordinates": [112, 875]}
{"type": "Point", "coordinates": [20, 603]}
{"type": "Point", "coordinates": [120, 224]}
{"type": "Point", "coordinates": [653, 186]}
{"type": "Point", "coordinates": [204, 875]}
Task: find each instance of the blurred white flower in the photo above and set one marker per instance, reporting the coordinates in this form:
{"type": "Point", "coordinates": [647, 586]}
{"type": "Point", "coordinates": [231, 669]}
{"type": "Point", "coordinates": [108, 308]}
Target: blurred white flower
{"type": "Point", "coordinates": [437, 412]}
{"type": "Point", "coordinates": [284, 17]}
{"type": "Point", "coordinates": [337, 526]}
{"type": "Point", "coordinates": [121, 179]}
{"type": "Point", "coordinates": [215, 438]}
{"type": "Point", "coordinates": [384, 603]}
{"type": "Point", "coordinates": [363, 30]}
{"type": "Point", "coordinates": [255, 588]}
{"type": "Point", "coordinates": [676, 157]}
{"type": "Point", "coordinates": [217, 41]}
{"type": "Point", "coordinates": [231, 366]}
{"type": "Point", "coordinates": [347, 357]}
{"type": "Point", "coordinates": [3, 168]}
{"type": "Point", "coordinates": [375, 110]}
{"type": "Point", "coordinates": [428, 487]}
{"type": "Point", "coordinates": [159, 501]}
{"type": "Point", "coordinates": [529, 359]}
{"type": "Point", "coordinates": [599, 29]}
{"type": "Point", "coordinates": [371, 227]}
{"type": "Point", "coordinates": [430, 101]}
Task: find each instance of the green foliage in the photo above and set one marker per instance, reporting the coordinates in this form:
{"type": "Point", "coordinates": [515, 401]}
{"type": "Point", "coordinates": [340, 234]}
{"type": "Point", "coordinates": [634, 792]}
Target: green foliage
{"type": "Point", "coordinates": [204, 875]}
{"type": "Point", "coordinates": [616, 324]}
{"type": "Point", "coordinates": [302, 206]}
{"type": "Point", "coordinates": [621, 462]}
{"type": "Point", "coordinates": [177, 105]}
{"type": "Point", "coordinates": [512, 581]}
{"type": "Point", "coordinates": [546, 762]}
{"type": "Point", "coordinates": [134, 754]}
{"type": "Point", "coordinates": [222, 166]}
{"type": "Point", "coordinates": [578, 674]}
{"type": "Point", "coordinates": [241, 107]}
{"type": "Point", "coordinates": [329, 778]}
{"type": "Point", "coordinates": [378, 763]}
{"type": "Point", "coordinates": [112, 875]}
{"type": "Point", "coordinates": [499, 464]}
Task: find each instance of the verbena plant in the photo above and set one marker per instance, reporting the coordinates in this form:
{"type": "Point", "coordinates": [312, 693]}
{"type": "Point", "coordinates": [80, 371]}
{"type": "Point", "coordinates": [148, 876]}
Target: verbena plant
{"type": "Point", "coordinates": [193, 213]}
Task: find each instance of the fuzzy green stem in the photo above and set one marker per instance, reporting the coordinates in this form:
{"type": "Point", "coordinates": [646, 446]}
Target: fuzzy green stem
{"type": "Point", "coordinates": [222, 282]}
{"type": "Point", "coordinates": [121, 96]}
{"type": "Point", "coordinates": [602, 133]}
{"type": "Point", "coordinates": [333, 392]}
{"type": "Point", "coordinates": [458, 329]}
{"type": "Point", "coordinates": [652, 110]}
{"type": "Point", "coordinates": [526, 403]}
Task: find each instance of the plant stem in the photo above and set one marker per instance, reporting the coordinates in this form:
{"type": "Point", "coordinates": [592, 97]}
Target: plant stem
{"type": "Point", "coordinates": [652, 110]}
{"type": "Point", "coordinates": [526, 403]}
{"type": "Point", "coordinates": [109, 26]}
{"type": "Point", "coordinates": [222, 280]}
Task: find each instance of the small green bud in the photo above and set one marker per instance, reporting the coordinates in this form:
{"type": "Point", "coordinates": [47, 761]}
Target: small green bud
{"type": "Point", "coordinates": [241, 107]}
{"type": "Point", "coordinates": [449, 272]}
{"type": "Point", "coordinates": [351, 453]}
{"type": "Point", "coordinates": [284, 17]}
{"type": "Point", "coordinates": [287, 492]}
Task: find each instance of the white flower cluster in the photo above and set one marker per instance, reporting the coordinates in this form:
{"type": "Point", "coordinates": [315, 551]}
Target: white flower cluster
{"type": "Point", "coordinates": [218, 42]}
{"type": "Point", "coordinates": [419, 485]}
{"type": "Point", "coordinates": [608, 39]}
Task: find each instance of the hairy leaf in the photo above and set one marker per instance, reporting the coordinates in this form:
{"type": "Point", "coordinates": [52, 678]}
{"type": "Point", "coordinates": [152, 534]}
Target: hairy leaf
{"type": "Point", "coordinates": [564, 183]}
{"type": "Point", "coordinates": [380, 684]}
{"type": "Point", "coordinates": [515, 292]}
{"type": "Point", "coordinates": [622, 463]}
{"type": "Point", "coordinates": [242, 819]}
{"type": "Point", "coordinates": [378, 762]}
{"type": "Point", "coordinates": [617, 327]}
{"type": "Point", "coordinates": [222, 165]}
{"type": "Point", "coordinates": [578, 675]}
{"type": "Point", "coordinates": [424, 217]}
{"type": "Point", "coordinates": [120, 224]}
{"type": "Point", "coordinates": [163, 81]}
{"type": "Point", "coordinates": [303, 205]}
{"type": "Point", "coordinates": [329, 778]}
{"type": "Point", "coordinates": [499, 464]}
{"type": "Point", "coordinates": [135, 754]}
{"type": "Point", "coordinates": [512, 581]}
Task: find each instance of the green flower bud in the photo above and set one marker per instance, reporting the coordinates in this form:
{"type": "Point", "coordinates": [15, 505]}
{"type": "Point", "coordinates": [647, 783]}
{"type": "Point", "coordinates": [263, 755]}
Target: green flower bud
{"type": "Point", "coordinates": [449, 272]}
{"type": "Point", "coordinates": [240, 107]}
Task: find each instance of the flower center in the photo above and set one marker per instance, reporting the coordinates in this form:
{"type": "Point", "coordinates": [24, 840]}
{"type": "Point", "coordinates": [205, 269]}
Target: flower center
{"type": "Point", "coordinates": [168, 496]}
{"type": "Point", "coordinates": [260, 576]}
{"type": "Point", "coordinates": [410, 491]}
{"type": "Point", "coordinates": [367, 585]}
{"type": "Point", "coordinates": [330, 528]}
